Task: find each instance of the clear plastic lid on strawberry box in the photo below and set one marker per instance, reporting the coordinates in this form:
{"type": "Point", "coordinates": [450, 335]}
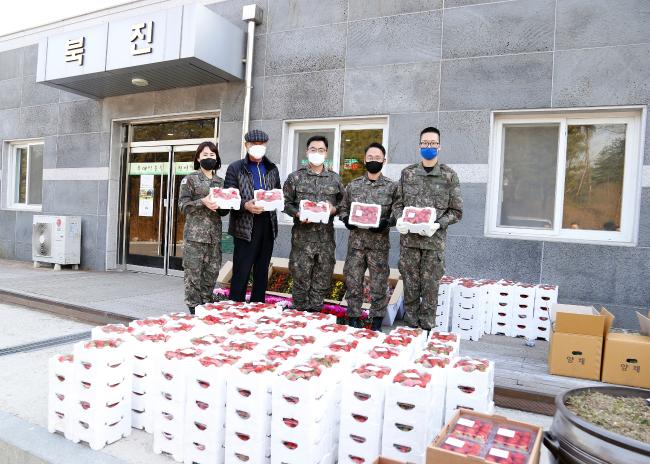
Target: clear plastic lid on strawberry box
{"type": "Point", "coordinates": [183, 353]}
{"type": "Point", "coordinates": [372, 371]}
{"type": "Point", "coordinates": [414, 215]}
{"type": "Point", "coordinates": [299, 339]}
{"type": "Point", "coordinates": [239, 346]}
{"type": "Point", "coordinates": [383, 353]}
{"type": "Point", "coordinates": [466, 447]}
{"type": "Point", "coordinates": [514, 438]}
{"type": "Point", "coordinates": [208, 340]}
{"type": "Point", "coordinates": [412, 378]}
{"type": "Point", "coordinates": [342, 346]}
{"type": "Point", "coordinates": [314, 211]}
{"type": "Point", "coordinates": [364, 215]}
{"type": "Point", "coordinates": [502, 456]}
{"type": "Point", "coordinates": [226, 198]}
{"type": "Point", "coordinates": [270, 200]}
{"type": "Point", "coordinates": [433, 361]}
{"type": "Point", "coordinates": [469, 427]}
{"type": "Point", "coordinates": [259, 366]}
{"type": "Point", "coordinates": [219, 360]}
{"type": "Point", "coordinates": [242, 328]}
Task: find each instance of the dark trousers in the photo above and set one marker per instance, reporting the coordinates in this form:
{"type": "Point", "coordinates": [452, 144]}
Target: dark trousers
{"type": "Point", "coordinates": [255, 255]}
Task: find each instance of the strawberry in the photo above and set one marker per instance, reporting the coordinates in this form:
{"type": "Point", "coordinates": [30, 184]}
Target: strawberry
{"type": "Point", "coordinates": [514, 439]}
{"type": "Point", "coordinates": [470, 365]}
{"type": "Point", "coordinates": [412, 378]}
{"type": "Point", "coordinates": [162, 338]}
{"type": "Point", "coordinates": [398, 340]}
{"type": "Point", "coordinates": [408, 331]}
{"type": "Point", "coordinates": [430, 360]}
{"type": "Point", "coordinates": [472, 428]}
{"type": "Point", "coordinates": [366, 371]}
{"type": "Point", "coordinates": [300, 340]}
{"type": "Point", "coordinates": [259, 367]}
{"type": "Point", "coordinates": [415, 215]}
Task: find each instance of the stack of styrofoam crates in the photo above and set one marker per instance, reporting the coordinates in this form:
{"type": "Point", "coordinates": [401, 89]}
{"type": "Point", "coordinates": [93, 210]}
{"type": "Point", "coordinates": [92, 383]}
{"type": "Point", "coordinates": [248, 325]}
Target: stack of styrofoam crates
{"type": "Point", "coordinates": [100, 407]}
{"type": "Point", "coordinates": [304, 415]}
{"type": "Point", "coordinates": [145, 352]}
{"type": "Point", "coordinates": [470, 385]}
{"type": "Point", "coordinates": [60, 393]}
{"type": "Point", "coordinates": [468, 317]}
{"type": "Point", "coordinates": [545, 297]}
{"type": "Point", "coordinates": [205, 408]}
{"type": "Point", "coordinates": [522, 316]}
{"type": "Point", "coordinates": [444, 309]}
{"type": "Point", "coordinates": [169, 409]}
{"type": "Point", "coordinates": [248, 412]}
{"type": "Point", "coordinates": [489, 288]}
{"type": "Point", "coordinates": [503, 302]}
{"type": "Point", "coordinates": [362, 412]}
{"type": "Point", "coordinates": [413, 413]}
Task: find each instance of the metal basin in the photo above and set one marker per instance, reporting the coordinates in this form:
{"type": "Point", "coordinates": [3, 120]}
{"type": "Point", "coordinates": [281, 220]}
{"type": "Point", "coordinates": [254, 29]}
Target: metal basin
{"type": "Point", "coordinates": [573, 440]}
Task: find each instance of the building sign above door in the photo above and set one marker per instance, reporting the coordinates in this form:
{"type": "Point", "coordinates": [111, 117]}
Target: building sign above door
{"type": "Point", "coordinates": [178, 47]}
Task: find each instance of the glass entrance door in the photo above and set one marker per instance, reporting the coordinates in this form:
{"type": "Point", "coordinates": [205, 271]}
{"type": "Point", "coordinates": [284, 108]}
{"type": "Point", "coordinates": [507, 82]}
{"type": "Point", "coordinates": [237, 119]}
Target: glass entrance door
{"type": "Point", "coordinates": [154, 226]}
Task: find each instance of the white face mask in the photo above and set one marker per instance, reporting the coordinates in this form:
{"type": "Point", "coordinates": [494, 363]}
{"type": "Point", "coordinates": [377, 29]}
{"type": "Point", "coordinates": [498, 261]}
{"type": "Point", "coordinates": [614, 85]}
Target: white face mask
{"type": "Point", "coordinates": [257, 151]}
{"type": "Point", "coordinates": [316, 159]}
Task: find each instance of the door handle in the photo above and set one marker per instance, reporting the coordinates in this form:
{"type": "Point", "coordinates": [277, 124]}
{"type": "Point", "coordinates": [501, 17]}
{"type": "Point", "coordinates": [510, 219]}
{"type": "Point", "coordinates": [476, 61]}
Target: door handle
{"type": "Point", "coordinates": [165, 203]}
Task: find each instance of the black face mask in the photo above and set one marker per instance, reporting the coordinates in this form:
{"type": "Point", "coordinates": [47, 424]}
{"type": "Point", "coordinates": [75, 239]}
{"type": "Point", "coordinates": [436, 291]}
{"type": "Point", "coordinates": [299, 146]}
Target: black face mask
{"type": "Point", "coordinates": [373, 167]}
{"type": "Point", "coordinates": [209, 164]}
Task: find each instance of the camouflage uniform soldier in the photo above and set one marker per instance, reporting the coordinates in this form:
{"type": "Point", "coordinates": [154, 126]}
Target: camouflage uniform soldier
{"type": "Point", "coordinates": [422, 258]}
{"type": "Point", "coordinates": [368, 248]}
{"type": "Point", "coordinates": [202, 234]}
{"type": "Point", "coordinates": [312, 257]}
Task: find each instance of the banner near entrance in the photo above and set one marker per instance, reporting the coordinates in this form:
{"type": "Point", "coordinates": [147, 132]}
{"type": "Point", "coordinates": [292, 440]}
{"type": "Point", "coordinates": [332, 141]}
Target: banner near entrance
{"type": "Point", "coordinates": [177, 47]}
{"type": "Point", "coordinates": [145, 205]}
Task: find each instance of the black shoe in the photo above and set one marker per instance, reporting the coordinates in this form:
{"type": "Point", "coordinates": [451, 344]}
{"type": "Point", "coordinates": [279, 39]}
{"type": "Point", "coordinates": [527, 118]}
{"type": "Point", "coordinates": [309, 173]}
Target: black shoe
{"type": "Point", "coordinates": [376, 323]}
{"type": "Point", "coordinates": [191, 310]}
{"type": "Point", "coordinates": [354, 322]}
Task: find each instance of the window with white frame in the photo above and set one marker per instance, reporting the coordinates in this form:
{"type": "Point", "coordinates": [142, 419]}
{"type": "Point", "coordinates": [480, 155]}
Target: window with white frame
{"type": "Point", "coordinates": [571, 176]}
{"type": "Point", "coordinates": [347, 141]}
{"type": "Point", "coordinates": [24, 175]}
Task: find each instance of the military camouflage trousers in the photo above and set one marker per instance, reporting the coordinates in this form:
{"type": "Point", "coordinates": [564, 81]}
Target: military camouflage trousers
{"type": "Point", "coordinates": [356, 263]}
{"type": "Point", "coordinates": [201, 262]}
{"type": "Point", "coordinates": [421, 272]}
{"type": "Point", "coordinates": [311, 265]}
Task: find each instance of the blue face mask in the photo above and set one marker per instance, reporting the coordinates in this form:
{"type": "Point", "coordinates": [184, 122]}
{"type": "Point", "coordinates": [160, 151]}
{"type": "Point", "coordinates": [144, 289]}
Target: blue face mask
{"type": "Point", "coordinates": [428, 153]}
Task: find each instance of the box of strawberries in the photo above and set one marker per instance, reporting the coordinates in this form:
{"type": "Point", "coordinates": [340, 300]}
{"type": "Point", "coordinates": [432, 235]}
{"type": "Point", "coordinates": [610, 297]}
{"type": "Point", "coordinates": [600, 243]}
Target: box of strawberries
{"type": "Point", "coordinates": [226, 198]}
{"type": "Point", "coordinates": [479, 438]}
{"type": "Point", "coordinates": [270, 200]}
{"type": "Point", "coordinates": [364, 215]}
{"type": "Point", "coordinates": [419, 220]}
{"type": "Point", "coordinates": [314, 211]}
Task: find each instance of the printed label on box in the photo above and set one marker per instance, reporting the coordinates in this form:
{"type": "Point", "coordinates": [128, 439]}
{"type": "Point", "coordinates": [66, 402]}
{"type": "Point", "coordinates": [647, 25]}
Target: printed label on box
{"type": "Point", "coordinates": [506, 432]}
{"type": "Point", "coordinates": [499, 453]}
{"type": "Point", "coordinates": [465, 422]}
{"type": "Point", "coordinates": [455, 442]}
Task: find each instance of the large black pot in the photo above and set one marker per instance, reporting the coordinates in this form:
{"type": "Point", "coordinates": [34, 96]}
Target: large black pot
{"type": "Point", "coordinates": [573, 440]}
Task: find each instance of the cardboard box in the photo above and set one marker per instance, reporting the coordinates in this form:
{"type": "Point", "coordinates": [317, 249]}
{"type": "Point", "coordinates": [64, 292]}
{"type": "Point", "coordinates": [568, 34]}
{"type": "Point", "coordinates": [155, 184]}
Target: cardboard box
{"type": "Point", "coordinates": [383, 460]}
{"type": "Point", "coordinates": [577, 341]}
{"type": "Point", "coordinates": [437, 455]}
{"type": "Point", "coordinates": [627, 357]}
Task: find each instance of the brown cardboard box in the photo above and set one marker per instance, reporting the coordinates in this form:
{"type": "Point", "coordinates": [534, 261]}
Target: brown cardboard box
{"type": "Point", "coordinates": [382, 460]}
{"type": "Point", "coordinates": [627, 357]}
{"type": "Point", "coordinates": [437, 455]}
{"type": "Point", "coordinates": [577, 340]}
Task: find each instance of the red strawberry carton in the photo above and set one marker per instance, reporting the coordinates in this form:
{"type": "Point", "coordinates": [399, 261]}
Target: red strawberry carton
{"type": "Point", "coordinates": [364, 215]}
{"type": "Point", "coordinates": [514, 438]}
{"type": "Point", "coordinates": [270, 200]}
{"type": "Point", "coordinates": [450, 452]}
{"type": "Point", "coordinates": [446, 338]}
{"type": "Point", "coordinates": [419, 220]}
{"type": "Point", "coordinates": [226, 198]}
{"type": "Point", "coordinates": [473, 428]}
{"type": "Point", "coordinates": [315, 211]}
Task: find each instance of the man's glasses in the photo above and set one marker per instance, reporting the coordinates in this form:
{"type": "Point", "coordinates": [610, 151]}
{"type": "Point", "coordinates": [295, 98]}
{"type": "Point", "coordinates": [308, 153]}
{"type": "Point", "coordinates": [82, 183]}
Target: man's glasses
{"type": "Point", "coordinates": [321, 151]}
{"type": "Point", "coordinates": [429, 144]}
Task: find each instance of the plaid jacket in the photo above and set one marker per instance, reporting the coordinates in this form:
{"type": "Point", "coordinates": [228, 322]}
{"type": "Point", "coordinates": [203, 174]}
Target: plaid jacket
{"type": "Point", "coordinates": [238, 176]}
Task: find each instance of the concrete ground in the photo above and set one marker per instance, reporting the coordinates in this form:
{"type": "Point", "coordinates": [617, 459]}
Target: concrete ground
{"type": "Point", "coordinates": [23, 405]}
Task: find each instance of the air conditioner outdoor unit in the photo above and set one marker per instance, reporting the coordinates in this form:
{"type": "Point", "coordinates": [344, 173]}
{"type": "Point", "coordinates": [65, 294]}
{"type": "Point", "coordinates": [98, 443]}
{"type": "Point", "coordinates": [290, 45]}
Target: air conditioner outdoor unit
{"type": "Point", "coordinates": [56, 239]}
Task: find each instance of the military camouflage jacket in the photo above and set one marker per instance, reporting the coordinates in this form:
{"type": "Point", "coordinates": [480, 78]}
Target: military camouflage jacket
{"type": "Point", "coordinates": [201, 224]}
{"type": "Point", "coordinates": [440, 189]}
{"type": "Point", "coordinates": [304, 184]}
{"type": "Point", "coordinates": [381, 192]}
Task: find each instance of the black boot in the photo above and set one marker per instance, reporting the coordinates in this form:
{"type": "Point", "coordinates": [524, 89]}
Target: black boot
{"type": "Point", "coordinates": [191, 310]}
{"type": "Point", "coordinates": [354, 322]}
{"type": "Point", "coordinates": [376, 323]}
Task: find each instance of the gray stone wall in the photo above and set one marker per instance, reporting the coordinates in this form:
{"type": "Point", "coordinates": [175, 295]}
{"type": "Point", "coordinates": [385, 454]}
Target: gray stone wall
{"type": "Point", "coordinates": [422, 62]}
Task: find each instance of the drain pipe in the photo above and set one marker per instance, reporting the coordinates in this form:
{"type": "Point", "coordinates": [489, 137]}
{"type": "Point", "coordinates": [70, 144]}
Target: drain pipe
{"type": "Point", "coordinates": [252, 14]}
